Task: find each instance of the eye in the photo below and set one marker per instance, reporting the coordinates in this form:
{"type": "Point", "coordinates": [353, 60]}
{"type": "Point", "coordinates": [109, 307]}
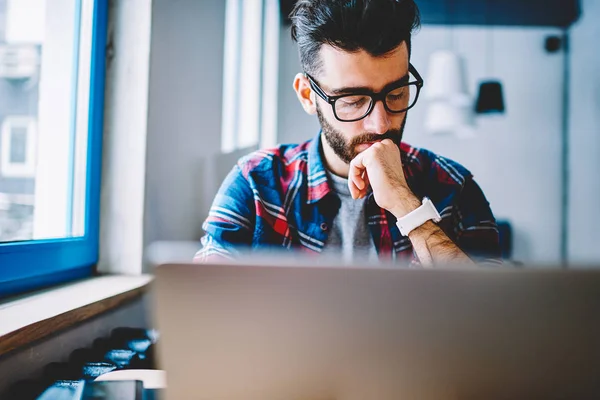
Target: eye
{"type": "Point", "coordinates": [394, 97]}
{"type": "Point", "coordinates": [353, 101]}
{"type": "Point", "coordinates": [397, 94]}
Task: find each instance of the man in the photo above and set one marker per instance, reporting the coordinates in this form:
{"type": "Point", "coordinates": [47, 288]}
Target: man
{"type": "Point", "coordinates": [355, 188]}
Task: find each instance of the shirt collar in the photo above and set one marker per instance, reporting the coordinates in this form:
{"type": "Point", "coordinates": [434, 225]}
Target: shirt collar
{"type": "Point", "coordinates": [318, 185]}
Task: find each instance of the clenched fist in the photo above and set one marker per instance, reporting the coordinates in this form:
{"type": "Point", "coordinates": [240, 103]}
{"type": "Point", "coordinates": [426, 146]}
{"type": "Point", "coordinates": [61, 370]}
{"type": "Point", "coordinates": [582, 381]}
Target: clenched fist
{"type": "Point", "coordinates": [380, 167]}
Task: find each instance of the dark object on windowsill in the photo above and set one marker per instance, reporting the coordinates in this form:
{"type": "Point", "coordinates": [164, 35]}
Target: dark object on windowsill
{"type": "Point", "coordinates": [125, 390]}
{"type": "Point", "coordinates": [506, 239]}
{"type": "Point", "coordinates": [90, 390]}
{"type": "Point", "coordinates": [92, 370]}
{"type": "Point", "coordinates": [125, 348]}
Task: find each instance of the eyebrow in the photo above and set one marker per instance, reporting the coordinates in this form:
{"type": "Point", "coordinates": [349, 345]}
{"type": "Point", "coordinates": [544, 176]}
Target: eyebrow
{"type": "Point", "coordinates": [367, 90]}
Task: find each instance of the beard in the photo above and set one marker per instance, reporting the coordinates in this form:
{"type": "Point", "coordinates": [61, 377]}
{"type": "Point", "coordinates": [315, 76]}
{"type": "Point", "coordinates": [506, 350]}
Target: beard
{"type": "Point", "coordinates": [344, 149]}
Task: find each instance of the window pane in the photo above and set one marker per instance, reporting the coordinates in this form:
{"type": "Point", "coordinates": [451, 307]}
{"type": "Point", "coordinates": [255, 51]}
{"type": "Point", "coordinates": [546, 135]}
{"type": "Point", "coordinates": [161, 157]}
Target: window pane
{"type": "Point", "coordinates": [45, 49]}
{"type": "Point", "coordinates": [18, 144]}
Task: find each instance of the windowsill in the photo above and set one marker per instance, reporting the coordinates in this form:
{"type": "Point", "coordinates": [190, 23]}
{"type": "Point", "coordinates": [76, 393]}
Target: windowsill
{"type": "Point", "coordinates": [34, 316]}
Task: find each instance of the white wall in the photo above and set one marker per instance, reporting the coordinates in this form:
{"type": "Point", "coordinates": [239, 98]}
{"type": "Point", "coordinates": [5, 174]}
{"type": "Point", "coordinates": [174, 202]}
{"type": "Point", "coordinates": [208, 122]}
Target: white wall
{"type": "Point", "coordinates": [515, 158]}
{"type": "Point", "coordinates": [184, 121]}
{"type": "Point", "coordinates": [124, 137]}
{"type": "Point", "coordinates": [584, 243]}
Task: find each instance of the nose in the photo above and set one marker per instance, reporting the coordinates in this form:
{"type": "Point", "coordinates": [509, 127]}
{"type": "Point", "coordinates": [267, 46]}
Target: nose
{"type": "Point", "coordinates": [378, 121]}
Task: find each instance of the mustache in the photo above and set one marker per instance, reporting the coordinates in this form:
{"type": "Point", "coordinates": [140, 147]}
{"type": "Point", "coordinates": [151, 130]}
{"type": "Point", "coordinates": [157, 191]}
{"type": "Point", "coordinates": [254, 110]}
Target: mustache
{"type": "Point", "coordinates": [394, 135]}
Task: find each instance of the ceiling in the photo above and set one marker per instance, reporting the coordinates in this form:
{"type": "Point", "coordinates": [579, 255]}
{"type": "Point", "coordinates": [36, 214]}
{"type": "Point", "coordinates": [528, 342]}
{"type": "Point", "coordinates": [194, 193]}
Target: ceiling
{"type": "Point", "coordinates": [556, 13]}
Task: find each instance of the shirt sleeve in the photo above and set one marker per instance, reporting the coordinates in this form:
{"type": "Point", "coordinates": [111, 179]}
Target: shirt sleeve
{"type": "Point", "coordinates": [229, 226]}
{"type": "Point", "coordinates": [477, 232]}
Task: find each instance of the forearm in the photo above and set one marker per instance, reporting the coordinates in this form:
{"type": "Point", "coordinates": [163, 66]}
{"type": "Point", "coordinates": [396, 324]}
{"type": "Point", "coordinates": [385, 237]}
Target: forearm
{"type": "Point", "coordinates": [431, 244]}
{"type": "Point", "coordinates": [434, 247]}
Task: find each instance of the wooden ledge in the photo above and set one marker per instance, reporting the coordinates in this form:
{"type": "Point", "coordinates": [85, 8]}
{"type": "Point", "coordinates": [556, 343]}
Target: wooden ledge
{"type": "Point", "coordinates": [35, 316]}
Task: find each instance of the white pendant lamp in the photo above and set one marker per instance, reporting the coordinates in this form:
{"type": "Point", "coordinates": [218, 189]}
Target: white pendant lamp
{"type": "Point", "coordinates": [450, 106]}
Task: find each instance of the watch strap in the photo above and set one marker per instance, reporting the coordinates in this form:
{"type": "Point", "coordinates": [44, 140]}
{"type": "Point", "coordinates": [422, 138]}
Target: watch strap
{"type": "Point", "coordinates": [418, 217]}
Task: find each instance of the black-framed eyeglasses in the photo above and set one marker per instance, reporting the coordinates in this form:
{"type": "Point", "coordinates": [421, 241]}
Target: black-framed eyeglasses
{"type": "Point", "coordinates": [352, 107]}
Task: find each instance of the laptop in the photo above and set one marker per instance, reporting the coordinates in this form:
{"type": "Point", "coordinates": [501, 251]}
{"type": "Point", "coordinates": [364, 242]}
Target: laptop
{"type": "Point", "coordinates": [286, 330]}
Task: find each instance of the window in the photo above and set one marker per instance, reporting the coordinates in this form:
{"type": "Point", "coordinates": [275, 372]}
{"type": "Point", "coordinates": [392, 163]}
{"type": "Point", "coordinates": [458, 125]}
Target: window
{"type": "Point", "coordinates": [250, 74]}
{"type": "Point", "coordinates": [51, 110]}
{"type": "Point", "coordinates": [18, 147]}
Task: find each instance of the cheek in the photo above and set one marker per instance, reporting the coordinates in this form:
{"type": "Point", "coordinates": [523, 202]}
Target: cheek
{"type": "Point", "coordinates": [398, 120]}
{"type": "Point", "coordinates": [351, 130]}
{"type": "Point", "coordinates": [347, 129]}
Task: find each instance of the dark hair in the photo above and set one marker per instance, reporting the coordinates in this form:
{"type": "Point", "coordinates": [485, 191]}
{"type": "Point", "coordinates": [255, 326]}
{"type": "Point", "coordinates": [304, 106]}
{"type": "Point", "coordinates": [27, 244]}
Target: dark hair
{"type": "Point", "coordinates": [375, 26]}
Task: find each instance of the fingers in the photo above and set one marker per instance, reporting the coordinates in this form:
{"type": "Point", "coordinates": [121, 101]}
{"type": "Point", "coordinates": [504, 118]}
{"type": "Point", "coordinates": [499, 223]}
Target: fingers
{"type": "Point", "coordinates": [356, 181]}
{"type": "Point", "coordinates": [367, 184]}
{"type": "Point", "coordinates": [356, 185]}
{"type": "Point", "coordinates": [383, 160]}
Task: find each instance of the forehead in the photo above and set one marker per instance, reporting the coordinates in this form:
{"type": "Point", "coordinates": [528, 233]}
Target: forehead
{"type": "Point", "coordinates": [340, 68]}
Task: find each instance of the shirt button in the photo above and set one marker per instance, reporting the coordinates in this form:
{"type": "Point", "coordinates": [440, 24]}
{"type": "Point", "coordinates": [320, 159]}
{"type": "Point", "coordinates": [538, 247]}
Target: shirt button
{"type": "Point", "coordinates": [324, 227]}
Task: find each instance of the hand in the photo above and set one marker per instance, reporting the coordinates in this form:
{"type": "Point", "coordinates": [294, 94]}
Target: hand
{"type": "Point", "coordinates": [380, 167]}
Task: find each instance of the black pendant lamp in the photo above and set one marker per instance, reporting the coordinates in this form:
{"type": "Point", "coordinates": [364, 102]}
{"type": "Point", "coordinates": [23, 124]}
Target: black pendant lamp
{"type": "Point", "coordinates": [490, 99]}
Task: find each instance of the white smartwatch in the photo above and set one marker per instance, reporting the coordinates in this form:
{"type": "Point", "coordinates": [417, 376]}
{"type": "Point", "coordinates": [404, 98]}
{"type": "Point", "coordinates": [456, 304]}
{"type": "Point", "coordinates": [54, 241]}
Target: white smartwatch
{"type": "Point", "coordinates": [418, 217]}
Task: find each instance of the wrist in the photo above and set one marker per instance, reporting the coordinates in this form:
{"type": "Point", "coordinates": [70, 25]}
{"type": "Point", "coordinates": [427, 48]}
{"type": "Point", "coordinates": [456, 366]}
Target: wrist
{"type": "Point", "coordinates": [419, 217]}
{"type": "Point", "coordinates": [426, 231]}
{"type": "Point", "coordinates": [406, 203]}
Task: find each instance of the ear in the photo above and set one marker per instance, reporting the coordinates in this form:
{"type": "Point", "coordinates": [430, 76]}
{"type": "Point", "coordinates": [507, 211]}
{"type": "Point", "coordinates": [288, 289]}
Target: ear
{"type": "Point", "coordinates": [305, 94]}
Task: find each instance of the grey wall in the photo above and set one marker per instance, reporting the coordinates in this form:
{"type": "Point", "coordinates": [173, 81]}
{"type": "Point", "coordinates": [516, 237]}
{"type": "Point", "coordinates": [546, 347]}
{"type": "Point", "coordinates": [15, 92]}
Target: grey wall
{"type": "Point", "coordinates": [293, 125]}
{"type": "Point", "coordinates": [585, 137]}
{"type": "Point", "coordinates": [184, 121]}
{"type": "Point", "coordinates": [515, 158]}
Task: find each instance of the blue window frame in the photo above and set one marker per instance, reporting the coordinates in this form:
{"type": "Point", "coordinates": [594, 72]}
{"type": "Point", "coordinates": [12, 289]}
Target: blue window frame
{"type": "Point", "coordinates": [31, 264]}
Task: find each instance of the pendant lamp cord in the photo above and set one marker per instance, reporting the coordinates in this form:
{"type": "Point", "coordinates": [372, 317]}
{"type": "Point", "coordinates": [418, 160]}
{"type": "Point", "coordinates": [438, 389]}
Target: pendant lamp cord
{"type": "Point", "coordinates": [489, 51]}
{"type": "Point", "coordinates": [565, 175]}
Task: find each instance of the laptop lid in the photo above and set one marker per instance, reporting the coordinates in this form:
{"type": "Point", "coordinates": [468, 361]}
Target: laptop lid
{"type": "Point", "coordinates": [256, 331]}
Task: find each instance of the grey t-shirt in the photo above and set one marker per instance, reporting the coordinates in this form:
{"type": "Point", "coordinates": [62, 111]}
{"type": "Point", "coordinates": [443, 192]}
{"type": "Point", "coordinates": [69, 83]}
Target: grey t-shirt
{"type": "Point", "coordinates": [349, 235]}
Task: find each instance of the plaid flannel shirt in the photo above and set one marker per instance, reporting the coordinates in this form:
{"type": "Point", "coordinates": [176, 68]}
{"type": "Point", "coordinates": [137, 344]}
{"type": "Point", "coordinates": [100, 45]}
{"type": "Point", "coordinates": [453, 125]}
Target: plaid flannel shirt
{"type": "Point", "coordinates": [281, 197]}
